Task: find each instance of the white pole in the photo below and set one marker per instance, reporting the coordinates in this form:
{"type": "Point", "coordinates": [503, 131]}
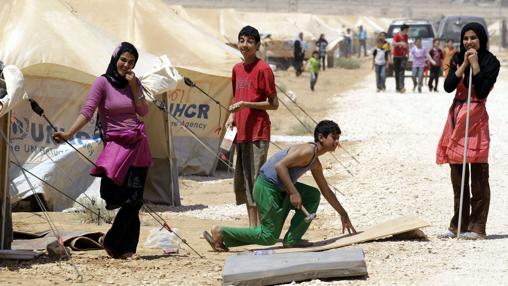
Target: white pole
{"type": "Point", "coordinates": [464, 163]}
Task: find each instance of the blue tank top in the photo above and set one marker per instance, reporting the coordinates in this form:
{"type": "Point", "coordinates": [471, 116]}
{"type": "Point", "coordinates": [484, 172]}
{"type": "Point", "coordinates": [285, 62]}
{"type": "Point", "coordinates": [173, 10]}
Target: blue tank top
{"type": "Point", "coordinates": [269, 173]}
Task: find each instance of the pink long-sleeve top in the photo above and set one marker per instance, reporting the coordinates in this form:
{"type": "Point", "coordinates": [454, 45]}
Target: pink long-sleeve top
{"type": "Point", "coordinates": [125, 137]}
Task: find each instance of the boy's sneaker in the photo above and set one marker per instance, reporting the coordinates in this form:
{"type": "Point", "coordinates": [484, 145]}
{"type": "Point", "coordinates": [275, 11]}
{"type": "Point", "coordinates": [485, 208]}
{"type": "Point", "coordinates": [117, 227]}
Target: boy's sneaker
{"type": "Point", "coordinates": [447, 234]}
{"type": "Point", "coordinates": [471, 235]}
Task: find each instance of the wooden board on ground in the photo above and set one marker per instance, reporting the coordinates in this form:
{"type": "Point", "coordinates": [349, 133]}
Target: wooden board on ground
{"type": "Point", "coordinates": [13, 254]}
{"type": "Point", "coordinates": [269, 269]}
{"type": "Point", "coordinates": [386, 229]}
{"type": "Point", "coordinates": [76, 240]}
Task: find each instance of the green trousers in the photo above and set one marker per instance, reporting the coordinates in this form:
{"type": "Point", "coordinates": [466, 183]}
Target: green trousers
{"type": "Point", "coordinates": [274, 207]}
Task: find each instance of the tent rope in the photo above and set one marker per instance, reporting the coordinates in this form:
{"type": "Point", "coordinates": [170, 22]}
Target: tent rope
{"type": "Point", "coordinates": [315, 122]}
{"type": "Point", "coordinates": [50, 222]}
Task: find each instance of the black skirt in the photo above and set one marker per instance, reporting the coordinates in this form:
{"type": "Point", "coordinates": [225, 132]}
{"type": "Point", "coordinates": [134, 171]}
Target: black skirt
{"type": "Point", "coordinates": [131, 192]}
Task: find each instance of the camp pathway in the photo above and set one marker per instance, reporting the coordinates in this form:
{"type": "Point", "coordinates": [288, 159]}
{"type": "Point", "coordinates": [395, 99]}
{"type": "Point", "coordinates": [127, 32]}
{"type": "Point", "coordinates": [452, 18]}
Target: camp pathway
{"type": "Point", "coordinates": [398, 176]}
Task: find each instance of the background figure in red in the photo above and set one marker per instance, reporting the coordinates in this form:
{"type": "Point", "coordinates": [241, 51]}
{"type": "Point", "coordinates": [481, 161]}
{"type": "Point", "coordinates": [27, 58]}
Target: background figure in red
{"type": "Point", "coordinates": [435, 67]}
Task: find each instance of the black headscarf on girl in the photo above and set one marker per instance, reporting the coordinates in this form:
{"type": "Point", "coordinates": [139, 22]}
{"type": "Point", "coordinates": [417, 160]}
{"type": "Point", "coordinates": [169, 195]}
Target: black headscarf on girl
{"type": "Point", "coordinates": [112, 75]}
{"type": "Point", "coordinates": [486, 59]}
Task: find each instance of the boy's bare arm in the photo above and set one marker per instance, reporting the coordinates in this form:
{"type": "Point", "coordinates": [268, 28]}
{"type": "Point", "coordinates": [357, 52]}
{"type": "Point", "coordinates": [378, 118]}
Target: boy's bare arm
{"type": "Point", "coordinates": [317, 173]}
{"type": "Point", "coordinates": [272, 103]}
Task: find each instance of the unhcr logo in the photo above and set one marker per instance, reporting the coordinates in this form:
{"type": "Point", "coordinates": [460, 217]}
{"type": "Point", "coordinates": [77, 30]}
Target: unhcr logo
{"type": "Point", "coordinates": [189, 110]}
{"type": "Point", "coordinates": [23, 129]}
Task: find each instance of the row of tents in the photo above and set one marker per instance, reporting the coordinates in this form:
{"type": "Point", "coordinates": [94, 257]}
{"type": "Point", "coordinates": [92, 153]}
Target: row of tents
{"type": "Point", "coordinates": [62, 46]}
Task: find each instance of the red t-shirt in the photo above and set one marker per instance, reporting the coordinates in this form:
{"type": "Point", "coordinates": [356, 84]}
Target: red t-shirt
{"type": "Point", "coordinates": [255, 83]}
{"type": "Point", "coordinates": [400, 51]}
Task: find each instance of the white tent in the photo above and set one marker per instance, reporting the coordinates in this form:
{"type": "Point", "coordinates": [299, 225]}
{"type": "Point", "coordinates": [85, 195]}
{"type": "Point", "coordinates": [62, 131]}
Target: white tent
{"type": "Point", "coordinates": [60, 56]}
{"type": "Point", "coordinates": [161, 29]}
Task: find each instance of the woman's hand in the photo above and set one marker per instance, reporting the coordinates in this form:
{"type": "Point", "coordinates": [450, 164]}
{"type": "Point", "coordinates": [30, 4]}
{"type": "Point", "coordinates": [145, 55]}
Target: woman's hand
{"type": "Point", "coordinates": [130, 76]}
{"type": "Point", "coordinates": [346, 224]}
{"type": "Point", "coordinates": [467, 56]}
{"type": "Point", "coordinates": [295, 200]}
{"type": "Point", "coordinates": [236, 106]}
{"type": "Point", "coordinates": [60, 136]}
{"type": "Point", "coordinates": [472, 56]}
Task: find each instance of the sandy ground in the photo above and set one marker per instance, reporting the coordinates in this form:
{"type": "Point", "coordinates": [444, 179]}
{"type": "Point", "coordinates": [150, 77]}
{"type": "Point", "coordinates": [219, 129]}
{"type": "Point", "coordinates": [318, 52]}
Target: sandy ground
{"type": "Point", "coordinates": [393, 136]}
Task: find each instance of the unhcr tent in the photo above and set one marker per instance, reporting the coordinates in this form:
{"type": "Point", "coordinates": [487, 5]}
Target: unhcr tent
{"type": "Point", "coordinates": [158, 28]}
{"type": "Point", "coordinates": [60, 56]}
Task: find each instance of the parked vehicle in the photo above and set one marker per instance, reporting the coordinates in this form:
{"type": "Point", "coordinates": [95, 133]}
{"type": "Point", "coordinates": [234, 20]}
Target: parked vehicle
{"type": "Point", "coordinates": [451, 26]}
{"type": "Point", "coordinates": [417, 28]}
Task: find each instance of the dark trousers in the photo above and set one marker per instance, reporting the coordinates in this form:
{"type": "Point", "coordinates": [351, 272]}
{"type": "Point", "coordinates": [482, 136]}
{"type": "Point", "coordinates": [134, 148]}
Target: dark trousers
{"type": "Point", "coordinates": [475, 207]}
{"type": "Point", "coordinates": [322, 59]}
{"type": "Point", "coordinates": [363, 44]}
{"type": "Point", "coordinates": [434, 76]}
{"type": "Point", "coordinates": [399, 67]}
{"type": "Point", "coordinates": [298, 66]}
{"type": "Point", "coordinates": [123, 236]}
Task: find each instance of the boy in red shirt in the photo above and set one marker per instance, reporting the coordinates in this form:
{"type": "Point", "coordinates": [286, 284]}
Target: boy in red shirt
{"type": "Point", "coordinates": [400, 53]}
{"type": "Point", "coordinates": [254, 93]}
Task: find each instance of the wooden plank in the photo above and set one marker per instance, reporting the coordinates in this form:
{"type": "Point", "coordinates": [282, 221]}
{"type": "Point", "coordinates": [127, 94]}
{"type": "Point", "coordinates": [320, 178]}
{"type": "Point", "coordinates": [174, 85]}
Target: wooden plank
{"type": "Point", "coordinates": [76, 239]}
{"type": "Point", "coordinates": [272, 269]}
{"type": "Point", "coordinates": [19, 254]}
{"type": "Point", "coordinates": [388, 228]}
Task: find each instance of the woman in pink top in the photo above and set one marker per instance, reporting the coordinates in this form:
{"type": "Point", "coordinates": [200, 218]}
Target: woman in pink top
{"type": "Point", "coordinates": [124, 161]}
{"type": "Point", "coordinates": [474, 53]}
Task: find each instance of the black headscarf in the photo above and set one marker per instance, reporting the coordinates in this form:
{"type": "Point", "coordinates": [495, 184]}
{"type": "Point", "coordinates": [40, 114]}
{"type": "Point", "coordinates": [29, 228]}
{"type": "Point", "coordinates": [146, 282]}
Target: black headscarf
{"type": "Point", "coordinates": [112, 75]}
{"type": "Point", "coordinates": [486, 59]}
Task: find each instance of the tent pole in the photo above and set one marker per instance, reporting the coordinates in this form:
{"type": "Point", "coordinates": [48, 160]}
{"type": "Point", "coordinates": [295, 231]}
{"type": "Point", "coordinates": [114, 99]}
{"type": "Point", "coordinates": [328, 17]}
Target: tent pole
{"type": "Point", "coordinates": [6, 215]}
{"type": "Point", "coordinates": [173, 169]}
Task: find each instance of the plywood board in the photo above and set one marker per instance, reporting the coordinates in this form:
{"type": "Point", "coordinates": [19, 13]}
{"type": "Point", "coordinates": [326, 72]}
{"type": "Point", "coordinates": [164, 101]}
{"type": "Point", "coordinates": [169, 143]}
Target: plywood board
{"type": "Point", "coordinates": [388, 228]}
{"type": "Point", "coordinates": [272, 269]}
{"type": "Point", "coordinates": [77, 240]}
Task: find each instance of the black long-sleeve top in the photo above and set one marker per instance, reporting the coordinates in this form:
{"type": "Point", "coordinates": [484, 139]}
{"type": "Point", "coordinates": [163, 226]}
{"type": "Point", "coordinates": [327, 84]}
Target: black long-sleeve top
{"type": "Point", "coordinates": [482, 82]}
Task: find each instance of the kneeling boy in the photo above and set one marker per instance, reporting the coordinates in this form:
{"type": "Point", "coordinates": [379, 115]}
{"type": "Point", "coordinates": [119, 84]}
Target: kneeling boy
{"type": "Point", "coordinates": [277, 191]}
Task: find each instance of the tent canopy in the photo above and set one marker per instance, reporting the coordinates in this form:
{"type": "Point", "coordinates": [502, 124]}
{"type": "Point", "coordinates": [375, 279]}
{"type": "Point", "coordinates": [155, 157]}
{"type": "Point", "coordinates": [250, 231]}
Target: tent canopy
{"type": "Point", "coordinates": [60, 55]}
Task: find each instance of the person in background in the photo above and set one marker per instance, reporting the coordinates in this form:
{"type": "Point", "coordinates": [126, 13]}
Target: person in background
{"type": "Point", "coordinates": [386, 46]}
{"type": "Point", "coordinates": [362, 40]}
{"type": "Point", "coordinates": [419, 55]}
{"type": "Point", "coordinates": [379, 63]}
{"type": "Point", "coordinates": [450, 150]}
{"type": "Point", "coordinates": [435, 65]}
{"type": "Point", "coordinates": [349, 42]}
{"type": "Point", "coordinates": [321, 44]}
{"type": "Point", "coordinates": [449, 51]}
{"type": "Point", "coordinates": [314, 64]}
{"type": "Point", "coordinates": [400, 53]}
{"type": "Point", "coordinates": [254, 93]}
{"type": "Point", "coordinates": [299, 53]}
